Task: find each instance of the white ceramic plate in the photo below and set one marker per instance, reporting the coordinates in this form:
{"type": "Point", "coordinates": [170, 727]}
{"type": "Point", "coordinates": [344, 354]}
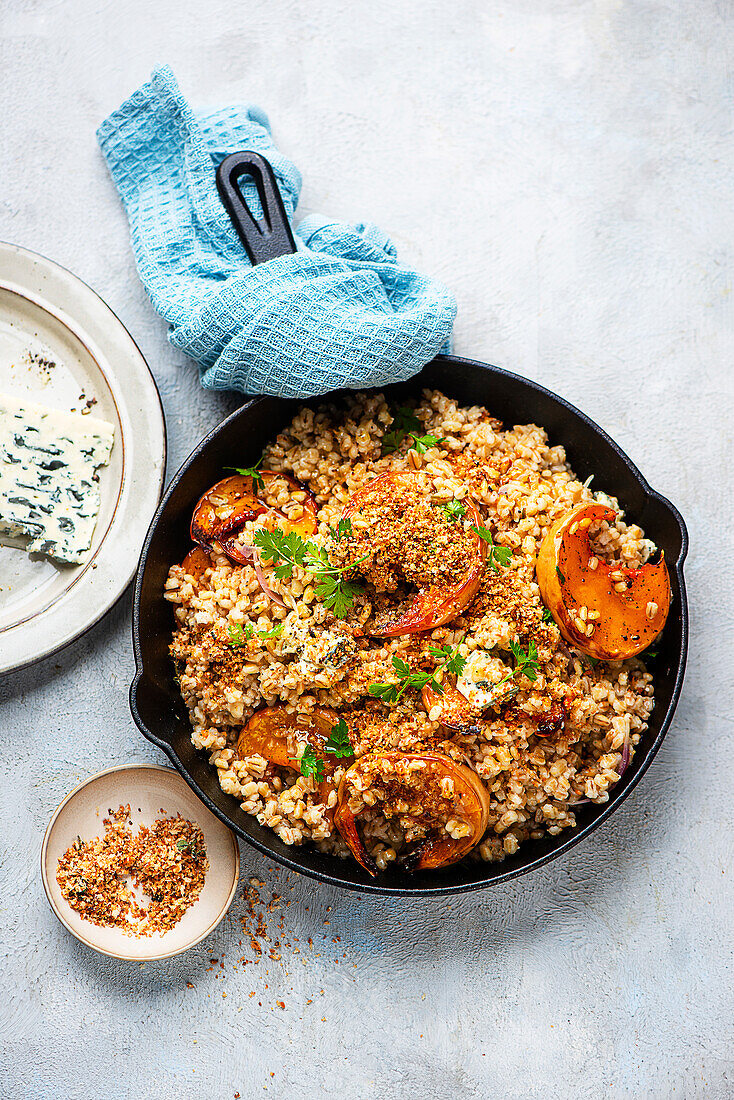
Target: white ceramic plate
{"type": "Point", "coordinates": [149, 789]}
{"type": "Point", "coordinates": [48, 316]}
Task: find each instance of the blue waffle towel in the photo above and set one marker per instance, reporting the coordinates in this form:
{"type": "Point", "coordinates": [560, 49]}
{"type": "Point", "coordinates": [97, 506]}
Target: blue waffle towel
{"type": "Point", "coordinates": [340, 312]}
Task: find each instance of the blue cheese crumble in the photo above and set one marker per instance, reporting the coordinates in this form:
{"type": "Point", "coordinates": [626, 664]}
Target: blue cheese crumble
{"type": "Point", "coordinates": [48, 486]}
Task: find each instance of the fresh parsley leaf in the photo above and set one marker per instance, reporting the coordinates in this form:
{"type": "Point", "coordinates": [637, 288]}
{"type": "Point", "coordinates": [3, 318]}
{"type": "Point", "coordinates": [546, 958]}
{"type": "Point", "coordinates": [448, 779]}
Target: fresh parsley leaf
{"type": "Point", "coordinates": [274, 632]}
{"type": "Point", "coordinates": [338, 743]}
{"type": "Point", "coordinates": [450, 660]}
{"type": "Point", "coordinates": [423, 443]}
{"type": "Point", "coordinates": [496, 555]}
{"type": "Point", "coordinates": [391, 441]}
{"type": "Point", "coordinates": [527, 662]}
{"type": "Point", "coordinates": [337, 594]}
{"type": "Point", "coordinates": [238, 634]}
{"type": "Point", "coordinates": [284, 551]}
{"type": "Point", "coordinates": [287, 551]}
{"type": "Point", "coordinates": [404, 422]}
{"type": "Point", "coordinates": [250, 471]}
{"type": "Point", "coordinates": [401, 666]}
{"type": "Point", "coordinates": [548, 615]}
{"type": "Point", "coordinates": [270, 545]}
{"type": "Point", "coordinates": [527, 665]}
{"type": "Point", "coordinates": [342, 530]}
{"type": "Point", "coordinates": [389, 693]}
{"type": "Point", "coordinates": [454, 510]}
{"type": "Point", "coordinates": [455, 664]}
{"type": "Point", "coordinates": [311, 765]}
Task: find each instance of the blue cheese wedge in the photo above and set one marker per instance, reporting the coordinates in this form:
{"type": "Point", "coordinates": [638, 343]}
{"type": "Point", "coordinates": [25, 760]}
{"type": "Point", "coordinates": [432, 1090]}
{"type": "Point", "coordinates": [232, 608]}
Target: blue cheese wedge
{"type": "Point", "coordinates": [48, 486]}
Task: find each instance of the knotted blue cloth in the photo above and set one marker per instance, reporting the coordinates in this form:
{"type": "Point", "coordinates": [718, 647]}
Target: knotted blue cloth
{"type": "Point", "coordinates": [340, 312]}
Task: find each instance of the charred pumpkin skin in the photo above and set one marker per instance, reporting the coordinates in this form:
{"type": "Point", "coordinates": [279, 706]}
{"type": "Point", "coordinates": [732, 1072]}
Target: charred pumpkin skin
{"type": "Point", "coordinates": [566, 583]}
{"type": "Point", "coordinates": [437, 850]}
{"type": "Point", "coordinates": [274, 733]}
{"type": "Point", "coordinates": [225, 508]}
{"type": "Point", "coordinates": [456, 712]}
{"type": "Point", "coordinates": [430, 607]}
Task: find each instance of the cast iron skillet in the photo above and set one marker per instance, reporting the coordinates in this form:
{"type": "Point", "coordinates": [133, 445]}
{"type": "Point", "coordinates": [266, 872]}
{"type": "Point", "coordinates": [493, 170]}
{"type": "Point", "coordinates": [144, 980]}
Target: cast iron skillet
{"type": "Point", "coordinates": [155, 701]}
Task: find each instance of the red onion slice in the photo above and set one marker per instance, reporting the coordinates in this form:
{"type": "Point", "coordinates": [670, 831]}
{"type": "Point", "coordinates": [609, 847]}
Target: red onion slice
{"type": "Point", "coordinates": [238, 552]}
{"type": "Point", "coordinates": [626, 753]}
{"type": "Point", "coordinates": [621, 769]}
{"type": "Point", "coordinates": [243, 554]}
{"type": "Point", "coordinates": [264, 584]}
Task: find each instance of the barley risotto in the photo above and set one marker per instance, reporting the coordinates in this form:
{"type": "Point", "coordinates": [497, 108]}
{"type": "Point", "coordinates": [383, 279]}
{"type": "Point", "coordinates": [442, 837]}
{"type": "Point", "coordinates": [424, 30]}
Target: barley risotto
{"type": "Point", "coordinates": [412, 635]}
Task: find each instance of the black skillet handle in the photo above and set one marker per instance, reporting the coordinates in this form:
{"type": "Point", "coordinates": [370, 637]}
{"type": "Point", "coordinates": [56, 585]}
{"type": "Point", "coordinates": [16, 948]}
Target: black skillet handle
{"type": "Point", "coordinates": [269, 237]}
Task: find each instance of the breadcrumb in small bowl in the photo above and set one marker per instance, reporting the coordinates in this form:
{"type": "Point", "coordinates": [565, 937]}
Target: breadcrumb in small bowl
{"type": "Point", "coordinates": [135, 866]}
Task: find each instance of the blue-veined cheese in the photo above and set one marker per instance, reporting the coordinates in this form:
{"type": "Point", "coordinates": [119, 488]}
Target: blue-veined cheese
{"type": "Point", "coordinates": [48, 488]}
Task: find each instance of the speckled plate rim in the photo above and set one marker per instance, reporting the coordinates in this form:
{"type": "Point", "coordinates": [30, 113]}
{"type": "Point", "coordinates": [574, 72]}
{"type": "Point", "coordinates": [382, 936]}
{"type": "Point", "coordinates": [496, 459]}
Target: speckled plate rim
{"type": "Point", "coordinates": [87, 942]}
{"type": "Point", "coordinates": [66, 297]}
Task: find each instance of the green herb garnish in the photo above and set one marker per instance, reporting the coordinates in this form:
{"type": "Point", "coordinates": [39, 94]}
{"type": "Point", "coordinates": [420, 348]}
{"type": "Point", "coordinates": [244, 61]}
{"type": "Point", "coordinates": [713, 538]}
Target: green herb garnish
{"type": "Point", "coordinates": [330, 585]}
{"type": "Point", "coordinates": [423, 443]}
{"type": "Point", "coordinates": [239, 634]}
{"type": "Point", "coordinates": [274, 632]}
{"type": "Point", "coordinates": [454, 510]}
{"type": "Point", "coordinates": [406, 425]}
{"type": "Point", "coordinates": [548, 615]}
{"type": "Point", "coordinates": [450, 660]}
{"type": "Point", "coordinates": [496, 555]}
{"type": "Point", "coordinates": [338, 743]}
{"type": "Point", "coordinates": [342, 530]}
{"type": "Point", "coordinates": [561, 577]}
{"type": "Point", "coordinates": [337, 594]}
{"type": "Point", "coordinates": [250, 471]}
{"type": "Point", "coordinates": [404, 422]}
{"type": "Point", "coordinates": [311, 766]}
{"type": "Point", "coordinates": [527, 664]}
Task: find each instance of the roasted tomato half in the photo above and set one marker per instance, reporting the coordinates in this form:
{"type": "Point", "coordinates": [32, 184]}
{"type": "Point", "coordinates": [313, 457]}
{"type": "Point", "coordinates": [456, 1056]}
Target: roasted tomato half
{"type": "Point", "coordinates": [609, 613]}
{"type": "Point", "coordinates": [435, 795]}
{"type": "Point", "coordinates": [405, 540]}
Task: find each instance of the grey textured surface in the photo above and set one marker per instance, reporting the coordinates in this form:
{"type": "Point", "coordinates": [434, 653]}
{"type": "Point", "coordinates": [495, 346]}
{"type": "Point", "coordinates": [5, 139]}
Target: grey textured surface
{"type": "Point", "coordinates": [566, 167]}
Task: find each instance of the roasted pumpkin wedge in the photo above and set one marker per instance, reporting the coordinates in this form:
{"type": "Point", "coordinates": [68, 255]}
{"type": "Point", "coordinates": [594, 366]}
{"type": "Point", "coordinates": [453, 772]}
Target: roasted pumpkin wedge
{"type": "Point", "coordinates": [607, 613]}
{"type": "Point", "coordinates": [196, 562]}
{"type": "Point", "coordinates": [436, 599]}
{"type": "Point", "coordinates": [274, 734]}
{"type": "Point", "coordinates": [225, 508]}
{"type": "Point", "coordinates": [445, 805]}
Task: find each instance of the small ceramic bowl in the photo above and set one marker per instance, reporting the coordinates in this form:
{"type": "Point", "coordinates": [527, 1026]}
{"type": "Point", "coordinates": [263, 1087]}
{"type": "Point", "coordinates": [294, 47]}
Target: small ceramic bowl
{"type": "Point", "coordinates": [152, 792]}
